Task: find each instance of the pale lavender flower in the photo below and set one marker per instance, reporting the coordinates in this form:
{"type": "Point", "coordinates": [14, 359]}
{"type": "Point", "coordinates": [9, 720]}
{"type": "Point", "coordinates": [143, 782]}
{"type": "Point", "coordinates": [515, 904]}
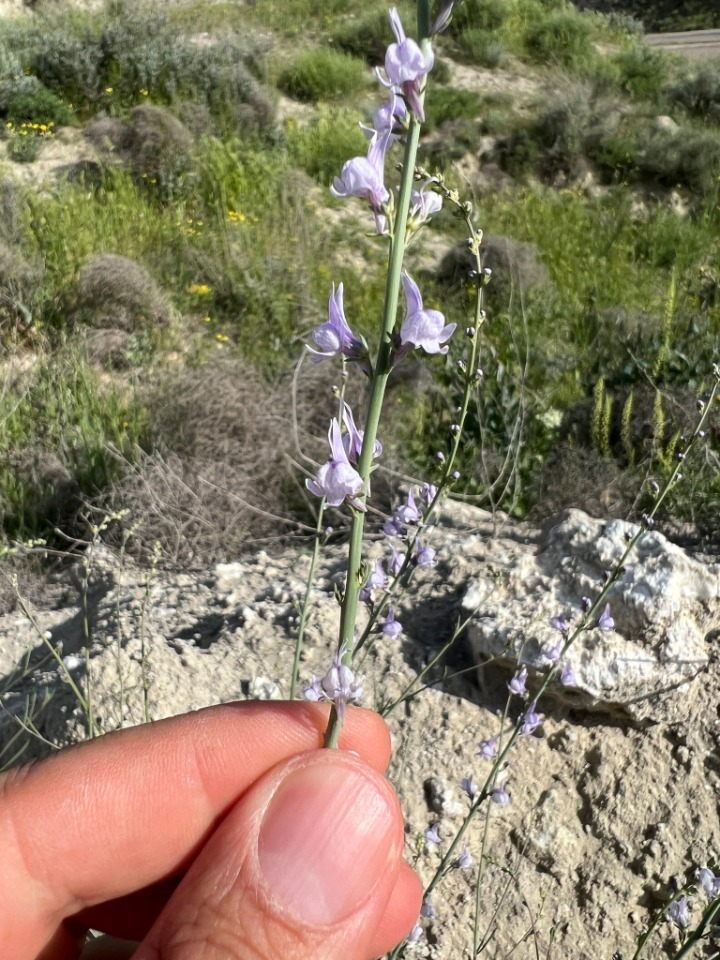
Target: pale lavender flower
{"type": "Point", "coordinates": [606, 621]}
{"type": "Point", "coordinates": [432, 834]}
{"type": "Point", "coordinates": [353, 439]}
{"type": "Point", "coordinates": [553, 653]}
{"type": "Point", "coordinates": [387, 118]}
{"type": "Point", "coordinates": [469, 786]}
{"type": "Point", "coordinates": [465, 860]}
{"type": "Point", "coordinates": [407, 512]}
{"type": "Point", "coordinates": [395, 563]}
{"type": "Point", "coordinates": [340, 685]}
{"type": "Point", "coordinates": [488, 748]}
{"type": "Point", "coordinates": [422, 328]}
{"type": "Point", "coordinates": [425, 555]}
{"type": "Point", "coordinates": [335, 338]}
{"type": "Point", "coordinates": [391, 627]}
{"type": "Point", "coordinates": [678, 913]}
{"type": "Point", "coordinates": [586, 604]}
{"type": "Point", "coordinates": [428, 492]}
{"type": "Point", "coordinates": [377, 579]}
{"type": "Point", "coordinates": [337, 480]}
{"type": "Point", "coordinates": [391, 528]}
{"type": "Point", "coordinates": [407, 65]}
{"type": "Point", "coordinates": [364, 177]}
{"type": "Point", "coordinates": [427, 910]}
{"type": "Point", "coordinates": [708, 881]}
{"type": "Point", "coordinates": [560, 623]}
{"type": "Point", "coordinates": [500, 796]}
{"type": "Point", "coordinates": [531, 719]}
{"type": "Point", "coordinates": [415, 934]}
{"type": "Point", "coordinates": [424, 204]}
{"type": "Point", "coordinates": [443, 17]}
{"type": "Point", "coordinates": [517, 684]}
{"type": "Point", "coordinates": [567, 677]}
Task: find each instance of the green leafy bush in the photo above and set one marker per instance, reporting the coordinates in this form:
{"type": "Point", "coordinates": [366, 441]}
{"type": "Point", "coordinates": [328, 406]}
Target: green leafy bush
{"type": "Point", "coordinates": [366, 38]}
{"type": "Point", "coordinates": [643, 71]}
{"type": "Point", "coordinates": [25, 100]}
{"type": "Point", "coordinates": [323, 74]}
{"type": "Point", "coordinates": [321, 147]}
{"type": "Point", "coordinates": [563, 37]}
{"type": "Point", "coordinates": [697, 90]}
{"type": "Point", "coordinates": [449, 103]}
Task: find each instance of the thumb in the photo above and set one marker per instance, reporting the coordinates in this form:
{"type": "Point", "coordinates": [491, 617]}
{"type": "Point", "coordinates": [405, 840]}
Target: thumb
{"type": "Point", "coordinates": [304, 866]}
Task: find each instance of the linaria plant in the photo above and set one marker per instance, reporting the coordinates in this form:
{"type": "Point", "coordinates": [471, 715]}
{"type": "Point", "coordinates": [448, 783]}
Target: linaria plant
{"type": "Point", "coordinates": [397, 213]}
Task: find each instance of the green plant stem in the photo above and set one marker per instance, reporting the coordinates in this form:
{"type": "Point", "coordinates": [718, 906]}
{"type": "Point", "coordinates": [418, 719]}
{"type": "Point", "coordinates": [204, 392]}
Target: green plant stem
{"type": "Point", "coordinates": [306, 601]}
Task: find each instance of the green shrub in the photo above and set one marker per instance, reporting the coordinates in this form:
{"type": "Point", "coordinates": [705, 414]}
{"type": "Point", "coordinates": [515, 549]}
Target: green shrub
{"type": "Point", "coordinates": [480, 47]}
{"type": "Point", "coordinates": [478, 14]}
{"type": "Point", "coordinates": [25, 100]}
{"type": "Point", "coordinates": [563, 38]}
{"type": "Point", "coordinates": [366, 38]}
{"type": "Point", "coordinates": [323, 74]}
{"type": "Point", "coordinates": [321, 147]}
{"type": "Point", "coordinates": [643, 71]}
{"type": "Point", "coordinates": [697, 90]}
{"type": "Point", "coordinates": [448, 103]}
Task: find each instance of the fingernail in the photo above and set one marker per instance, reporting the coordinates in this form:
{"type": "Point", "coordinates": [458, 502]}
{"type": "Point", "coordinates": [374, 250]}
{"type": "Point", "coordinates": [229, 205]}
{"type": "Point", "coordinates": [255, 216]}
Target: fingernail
{"type": "Point", "coordinates": [327, 835]}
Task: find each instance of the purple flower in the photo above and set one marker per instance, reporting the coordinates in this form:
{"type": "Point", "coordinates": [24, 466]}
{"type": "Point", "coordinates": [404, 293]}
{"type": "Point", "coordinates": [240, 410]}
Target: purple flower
{"type": "Point", "coordinates": [708, 881]}
{"type": "Point", "coordinates": [415, 934]}
{"type": "Point", "coordinates": [464, 861]}
{"type": "Point", "coordinates": [553, 653]}
{"type": "Point", "coordinates": [377, 579]}
{"type": "Point", "coordinates": [387, 117]}
{"type": "Point", "coordinates": [531, 720]}
{"type": "Point", "coordinates": [427, 910]}
{"type": "Point", "coordinates": [432, 834]}
{"type": "Point", "coordinates": [335, 338]}
{"type": "Point", "coordinates": [425, 555]}
{"type": "Point", "coordinates": [339, 685]}
{"type": "Point", "coordinates": [517, 684]}
{"type": "Point", "coordinates": [423, 205]}
{"type": "Point", "coordinates": [677, 912]}
{"type": "Point", "coordinates": [469, 786]}
{"type": "Point", "coordinates": [606, 622]}
{"type": "Point", "coordinates": [353, 439]}
{"type": "Point", "coordinates": [428, 492]}
{"type": "Point", "coordinates": [395, 563]}
{"type": "Point", "coordinates": [422, 328]}
{"type": "Point", "coordinates": [443, 17]}
{"type": "Point", "coordinates": [391, 528]}
{"type": "Point", "coordinates": [407, 512]}
{"type": "Point", "coordinates": [560, 623]}
{"type": "Point", "coordinates": [500, 796]}
{"type": "Point", "coordinates": [586, 604]}
{"type": "Point", "coordinates": [364, 177]}
{"type": "Point", "coordinates": [488, 748]}
{"type": "Point", "coordinates": [407, 66]}
{"type": "Point", "coordinates": [567, 677]}
{"type": "Point", "coordinates": [391, 627]}
{"type": "Point", "coordinates": [337, 480]}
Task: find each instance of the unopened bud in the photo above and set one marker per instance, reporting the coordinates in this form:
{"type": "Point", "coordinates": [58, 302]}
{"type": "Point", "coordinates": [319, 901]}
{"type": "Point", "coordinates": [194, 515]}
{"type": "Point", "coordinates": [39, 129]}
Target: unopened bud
{"type": "Point", "coordinates": [455, 428]}
{"type": "Point", "coordinates": [440, 456]}
{"type": "Point", "coordinates": [462, 366]}
{"type": "Point", "coordinates": [469, 332]}
{"type": "Point", "coordinates": [455, 475]}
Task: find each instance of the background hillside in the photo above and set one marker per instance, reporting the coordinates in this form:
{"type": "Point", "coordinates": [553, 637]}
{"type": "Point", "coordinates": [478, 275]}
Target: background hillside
{"type": "Point", "coordinates": [661, 15]}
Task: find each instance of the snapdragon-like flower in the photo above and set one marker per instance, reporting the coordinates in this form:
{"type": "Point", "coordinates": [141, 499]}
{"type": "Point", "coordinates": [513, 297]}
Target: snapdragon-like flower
{"type": "Point", "coordinates": [422, 328]}
{"type": "Point", "coordinates": [337, 480]}
{"type": "Point", "coordinates": [443, 17]}
{"type": "Point", "coordinates": [428, 492]}
{"type": "Point", "coordinates": [709, 883]}
{"type": "Point", "coordinates": [560, 623]}
{"type": "Point", "coordinates": [500, 796]}
{"type": "Point", "coordinates": [425, 555]}
{"type": "Point", "coordinates": [377, 579]}
{"type": "Point", "coordinates": [395, 563]}
{"type": "Point", "coordinates": [407, 66]}
{"type": "Point", "coordinates": [407, 512]}
{"type": "Point", "coordinates": [364, 177]}
{"type": "Point", "coordinates": [391, 627]}
{"type": "Point", "coordinates": [678, 913]}
{"type": "Point", "coordinates": [469, 787]}
{"type": "Point", "coordinates": [531, 720]}
{"type": "Point", "coordinates": [567, 677]}
{"type": "Point", "coordinates": [553, 653]}
{"type": "Point", "coordinates": [432, 834]}
{"type": "Point", "coordinates": [335, 338]}
{"type": "Point", "coordinates": [353, 439]}
{"type": "Point", "coordinates": [387, 118]}
{"type": "Point", "coordinates": [606, 621]}
{"type": "Point", "coordinates": [391, 528]}
{"type": "Point", "coordinates": [427, 910]}
{"type": "Point", "coordinates": [340, 685]}
{"type": "Point", "coordinates": [517, 684]}
{"type": "Point", "coordinates": [415, 934]}
{"type": "Point", "coordinates": [465, 860]}
{"type": "Point", "coordinates": [488, 748]}
{"type": "Point", "coordinates": [423, 204]}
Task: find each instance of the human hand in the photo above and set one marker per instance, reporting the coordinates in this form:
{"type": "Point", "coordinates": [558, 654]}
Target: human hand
{"type": "Point", "coordinates": [218, 835]}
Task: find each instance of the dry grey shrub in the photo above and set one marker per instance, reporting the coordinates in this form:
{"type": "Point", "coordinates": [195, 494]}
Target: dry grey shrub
{"type": "Point", "coordinates": [219, 476]}
{"type": "Point", "coordinates": [115, 293]}
{"type": "Point", "coordinates": [154, 144]}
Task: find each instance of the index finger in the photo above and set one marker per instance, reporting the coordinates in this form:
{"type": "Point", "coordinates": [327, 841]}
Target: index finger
{"type": "Point", "coordinates": [119, 813]}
